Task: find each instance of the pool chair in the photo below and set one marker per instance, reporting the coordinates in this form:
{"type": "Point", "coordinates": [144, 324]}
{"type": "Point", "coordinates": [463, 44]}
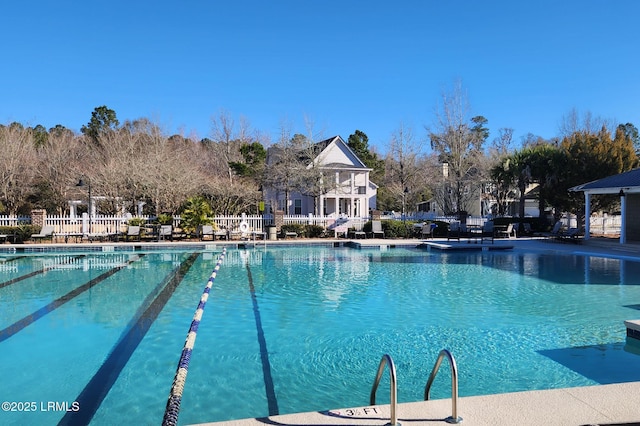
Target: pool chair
{"type": "Point", "coordinates": [133, 231]}
{"type": "Point", "coordinates": [376, 229]}
{"type": "Point", "coordinates": [46, 233]}
{"type": "Point", "coordinates": [427, 230]}
{"type": "Point", "coordinates": [572, 235]}
{"type": "Point", "coordinates": [508, 232]}
{"type": "Point", "coordinates": [454, 231]}
{"type": "Point", "coordinates": [487, 231]}
{"type": "Point", "coordinates": [165, 232]}
{"type": "Point", "coordinates": [556, 232]}
{"type": "Point", "coordinates": [206, 231]}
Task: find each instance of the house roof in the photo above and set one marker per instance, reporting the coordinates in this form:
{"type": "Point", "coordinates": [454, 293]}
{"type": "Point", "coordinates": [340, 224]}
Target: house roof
{"type": "Point", "coordinates": [332, 153]}
{"type": "Point", "coordinates": [354, 160]}
{"type": "Point", "coordinates": [628, 182]}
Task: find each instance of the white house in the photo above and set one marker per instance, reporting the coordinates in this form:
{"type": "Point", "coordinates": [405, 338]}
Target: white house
{"type": "Point", "coordinates": [345, 188]}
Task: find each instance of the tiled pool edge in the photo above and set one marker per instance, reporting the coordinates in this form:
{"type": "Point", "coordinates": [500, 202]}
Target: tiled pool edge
{"type": "Point", "coordinates": [633, 331]}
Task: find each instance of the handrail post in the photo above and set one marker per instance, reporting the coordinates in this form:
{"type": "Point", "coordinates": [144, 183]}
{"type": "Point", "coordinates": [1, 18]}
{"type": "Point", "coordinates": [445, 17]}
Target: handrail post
{"type": "Point", "coordinates": [393, 388]}
{"type": "Point", "coordinates": [454, 384]}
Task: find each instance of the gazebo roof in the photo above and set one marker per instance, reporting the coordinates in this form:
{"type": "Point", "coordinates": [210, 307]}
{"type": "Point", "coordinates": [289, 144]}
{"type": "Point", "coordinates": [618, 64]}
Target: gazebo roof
{"type": "Point", "coordinates": [629, 182]}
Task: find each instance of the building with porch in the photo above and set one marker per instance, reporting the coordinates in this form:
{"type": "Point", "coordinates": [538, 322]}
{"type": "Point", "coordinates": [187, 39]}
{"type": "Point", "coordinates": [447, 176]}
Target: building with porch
{"type": "Point", "coordinates": [627, 186]}
{"type": "Point", "coordinates": [342, 187]}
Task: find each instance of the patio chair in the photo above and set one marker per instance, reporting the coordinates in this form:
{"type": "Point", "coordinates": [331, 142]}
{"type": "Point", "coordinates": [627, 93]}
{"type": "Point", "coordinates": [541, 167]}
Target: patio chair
{"type": "Point", "coordinates": [376, 229]}
{"type": "Point", "coordinates": [507, 232]}
{"type": "Point", "coordinates": [359, 234]}
{"type": "Point", "coordinates": [427, 230]}
{"type": "Point", "coordinates": [46, 233]}
{"type": "Point", "coordinates": [572, 235]}
{"type": "Point", "coordinates": [556, 232]}
{"type": "Point", "coordinates": [454, 231]}
{"type": "Point", "coordinates": [165, 232]}
{"type": "Point", "coordinates": [206, 231]}
{"type": "Point", "coordinates": [133, 231]}
{"type": "Point", "coordinates": [487, 231]}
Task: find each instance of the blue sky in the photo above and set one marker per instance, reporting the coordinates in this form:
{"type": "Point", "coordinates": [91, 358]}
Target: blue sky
{"type": "Point", "coordinates": [344, 65]}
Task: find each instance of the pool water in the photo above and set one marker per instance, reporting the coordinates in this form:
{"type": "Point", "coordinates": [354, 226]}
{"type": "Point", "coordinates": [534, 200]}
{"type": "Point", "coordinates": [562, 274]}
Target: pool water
{"type": "Point", "coordinates": [96, 337]}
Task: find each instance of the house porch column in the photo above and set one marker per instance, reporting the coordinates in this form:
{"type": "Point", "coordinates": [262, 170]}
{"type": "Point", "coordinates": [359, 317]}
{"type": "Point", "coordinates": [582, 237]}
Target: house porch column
{"type": "Point", "coordinates": [623, 217]}
{"type": "Point", "coordinates": [587, 215]}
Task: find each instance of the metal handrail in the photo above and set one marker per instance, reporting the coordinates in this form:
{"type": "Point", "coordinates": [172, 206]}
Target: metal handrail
{"type": "Point", "coordinates": [386, 359]}
{"type": "Point", "coordinates": [454, 384]}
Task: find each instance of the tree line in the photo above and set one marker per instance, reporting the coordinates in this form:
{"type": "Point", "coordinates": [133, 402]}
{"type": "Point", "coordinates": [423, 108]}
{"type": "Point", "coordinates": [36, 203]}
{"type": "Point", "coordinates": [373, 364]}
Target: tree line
{"type": "Point", "coordinates": [136, 163]}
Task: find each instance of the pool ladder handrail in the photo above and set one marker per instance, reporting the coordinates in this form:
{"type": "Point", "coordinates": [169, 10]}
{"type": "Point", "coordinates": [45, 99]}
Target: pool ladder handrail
{"type": "Point", "coordinates": [454, 384]}
{"type": "Point", "coordinates": [393, 388]}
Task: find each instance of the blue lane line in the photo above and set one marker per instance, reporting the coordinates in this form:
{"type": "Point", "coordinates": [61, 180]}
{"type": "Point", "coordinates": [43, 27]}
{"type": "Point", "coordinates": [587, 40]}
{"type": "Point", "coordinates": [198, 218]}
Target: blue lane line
{"type": "Point", "coordinates": [33, 317]}
{"type": "Point", "coordinates": [272, 400]}
{"type": "Point", "coordinates": [34, 273]}
{"type": "Point", "coordinates": [100, 384]}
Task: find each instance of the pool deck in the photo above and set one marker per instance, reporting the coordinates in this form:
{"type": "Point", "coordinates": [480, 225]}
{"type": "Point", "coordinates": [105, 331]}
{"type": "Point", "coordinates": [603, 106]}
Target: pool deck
{"type": "Point", "coordinates": [615, 404]}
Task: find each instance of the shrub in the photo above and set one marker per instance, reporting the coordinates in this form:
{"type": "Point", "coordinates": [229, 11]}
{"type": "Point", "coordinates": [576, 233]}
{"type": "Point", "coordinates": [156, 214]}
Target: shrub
{"type": "Point", "coordinates": [293, 227]}
{"type": "Point", "coordinates": [313, 231]}
{"type": "Point", "coordinates": [397, 228]}
{"type": "Point", "coordinates": [196, 213]}
{"type": "Point", "coordinates": [164, 219]}
{"type": "Point", "coordinates": [136, 221]}
{"type": "Point", "coordinates": [22, 233]}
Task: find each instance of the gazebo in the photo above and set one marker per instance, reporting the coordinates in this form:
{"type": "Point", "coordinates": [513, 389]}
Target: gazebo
{"type": "Point", "coordinates": [627, 186]}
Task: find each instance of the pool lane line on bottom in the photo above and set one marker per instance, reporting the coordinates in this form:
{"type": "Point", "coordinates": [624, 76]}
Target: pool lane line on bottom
{"type": "Point", "coordinates": [272, 400]}
{"type": "Point", "coordinates": [98, 387]}
{"type": "Point", "coordinates": [50, 307]}
{"type": "Point", "coordinates": [38, 272]}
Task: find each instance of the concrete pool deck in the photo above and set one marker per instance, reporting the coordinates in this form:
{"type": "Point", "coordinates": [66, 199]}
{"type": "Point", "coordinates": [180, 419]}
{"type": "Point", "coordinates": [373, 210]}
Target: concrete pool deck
{"type": "Point", "coordinates": [617, 404]}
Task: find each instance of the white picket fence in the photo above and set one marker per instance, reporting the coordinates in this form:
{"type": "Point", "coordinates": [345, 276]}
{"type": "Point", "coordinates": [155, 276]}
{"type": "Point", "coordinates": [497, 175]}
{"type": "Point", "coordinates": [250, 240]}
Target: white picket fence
{"type": "Point", "coordinates": [101, 224]}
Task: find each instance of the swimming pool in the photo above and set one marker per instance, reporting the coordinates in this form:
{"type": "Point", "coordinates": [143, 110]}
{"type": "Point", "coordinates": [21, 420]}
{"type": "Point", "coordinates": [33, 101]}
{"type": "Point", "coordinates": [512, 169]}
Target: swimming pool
{"type": "Point", "coordinates": [97, 336]}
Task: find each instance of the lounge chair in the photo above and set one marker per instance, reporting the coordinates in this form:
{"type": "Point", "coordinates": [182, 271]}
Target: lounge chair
{"type": "Point", "coordinates": [556, 232]}
{"type": "Point", "coordinates": [46, 233]}
{"type": "Point", "coordinates": [454, 231]}
{"type": "Point", "coordinates": [256, 233]}
{"type": "Point", "coordinates": [359, 234]}
{"type": "Point", "coordinates": [427, 230]}
{"type": "Point", "coordinates": [376, 229]}
{"type": "Point", "coordinates": [572, 235]}
{"type": "Point", "coordinates": [207, 231]}
{"type": "Point", "coordinates": [507, 232]}
{"type": "Point", "coordinates": [488, 231]}
{"type": "Point", "coordinates": [165, 232]}
{"type": "Point", "coordinates": [133, 231]}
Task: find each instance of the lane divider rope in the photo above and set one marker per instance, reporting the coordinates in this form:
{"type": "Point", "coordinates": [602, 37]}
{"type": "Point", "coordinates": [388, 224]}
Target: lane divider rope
{"type": "Point", "coordinates": [175, 396]}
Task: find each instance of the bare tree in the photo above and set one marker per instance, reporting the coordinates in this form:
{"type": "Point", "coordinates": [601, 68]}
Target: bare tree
{"type": "Point", "coordinates": [59, 168]}
{"type": "Point", "coordinates": [573, 122]}
{"type": "Point", "coordinates": [224, 133]}
{"type": "Point", "coordinates": [17, 171]}
{"type": "Point", "coordinates": [402, 166]}
{"type": "Point", "coordinates": [459, 147]}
